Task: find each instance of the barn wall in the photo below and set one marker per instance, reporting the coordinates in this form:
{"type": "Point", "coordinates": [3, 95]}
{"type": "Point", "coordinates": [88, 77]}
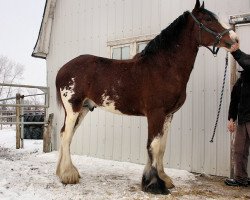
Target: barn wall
{"type": "Point", "coordinates": [85, 27]}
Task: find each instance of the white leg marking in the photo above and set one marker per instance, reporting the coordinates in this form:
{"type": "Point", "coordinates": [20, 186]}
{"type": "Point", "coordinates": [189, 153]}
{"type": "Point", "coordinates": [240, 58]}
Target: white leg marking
{"type": "Point", "coordinates": [67, 136]}
{"type": "Point", "coordinates": [158, 147]}
{"type": "Point", "coordinates": [65, 169]}
{"type": "Point", "coordinates": [81, 116]}
{"type": "Point", "coordinates": [147, 167]}
{"type": "Point", "coordinates": [71, 117]}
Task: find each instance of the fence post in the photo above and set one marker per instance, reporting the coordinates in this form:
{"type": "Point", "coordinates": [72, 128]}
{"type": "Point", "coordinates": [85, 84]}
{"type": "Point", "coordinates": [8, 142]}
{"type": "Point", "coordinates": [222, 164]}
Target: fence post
{"type": "Point", "coordinates": [18, 131]}
{"type": "Point", "coordinates": [21, 118]}
{"type": "Point", "coordinates": [47, 134]}
{"type": "Point", "coordinates": [1, 114]}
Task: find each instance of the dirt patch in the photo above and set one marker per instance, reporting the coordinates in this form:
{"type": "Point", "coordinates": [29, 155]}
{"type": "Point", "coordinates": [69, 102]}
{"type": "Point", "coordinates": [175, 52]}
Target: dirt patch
{"type": "Point", "coordinates": [210, 187]}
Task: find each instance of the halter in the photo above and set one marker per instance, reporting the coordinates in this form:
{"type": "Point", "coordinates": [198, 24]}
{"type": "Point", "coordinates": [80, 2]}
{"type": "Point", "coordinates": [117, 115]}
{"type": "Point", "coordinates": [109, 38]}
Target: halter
{"type": "Point", "coordinates": [217, 35]}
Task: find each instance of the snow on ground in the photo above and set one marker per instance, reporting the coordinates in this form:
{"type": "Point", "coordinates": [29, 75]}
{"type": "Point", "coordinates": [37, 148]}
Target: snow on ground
{"type": "Point", "coordinates": [30, 174]}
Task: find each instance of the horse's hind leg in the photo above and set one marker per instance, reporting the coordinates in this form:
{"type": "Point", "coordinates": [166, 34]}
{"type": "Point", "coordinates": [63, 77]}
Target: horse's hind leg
{"type": "Point", "coordinates": [154, 178]}
{"type": "Point", "coordinates": [66, 171]}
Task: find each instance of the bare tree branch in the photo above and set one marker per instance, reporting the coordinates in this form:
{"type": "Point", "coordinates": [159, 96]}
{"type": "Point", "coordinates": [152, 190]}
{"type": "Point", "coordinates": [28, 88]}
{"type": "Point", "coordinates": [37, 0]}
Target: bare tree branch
{"type": "Point", "coordinates": [10, 72]}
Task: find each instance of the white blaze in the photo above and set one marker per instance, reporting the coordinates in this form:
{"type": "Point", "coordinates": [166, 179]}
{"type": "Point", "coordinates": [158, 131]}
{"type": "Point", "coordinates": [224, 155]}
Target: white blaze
{"type": "Point", "coordinates": [232, 34]}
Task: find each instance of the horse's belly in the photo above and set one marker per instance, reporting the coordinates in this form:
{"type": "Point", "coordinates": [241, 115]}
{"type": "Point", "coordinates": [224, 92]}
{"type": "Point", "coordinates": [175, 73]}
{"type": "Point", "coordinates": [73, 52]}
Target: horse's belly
{"type": "Point", "coordinates": [111, 108]}
{"type": "Point", "coordinates": [109, 105]}
{"type": "Point", "coordinates": [115, 105]}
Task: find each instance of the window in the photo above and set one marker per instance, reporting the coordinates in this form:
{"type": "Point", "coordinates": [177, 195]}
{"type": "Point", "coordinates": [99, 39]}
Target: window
{"type": "Point", "coordinates": [121, 53]}
{"type": "Point", "coordinates": [141, 46]}
{"type": "Point", "coordinates": [126, 48]}
{"type": "Point", "coordinates": [127, 51]}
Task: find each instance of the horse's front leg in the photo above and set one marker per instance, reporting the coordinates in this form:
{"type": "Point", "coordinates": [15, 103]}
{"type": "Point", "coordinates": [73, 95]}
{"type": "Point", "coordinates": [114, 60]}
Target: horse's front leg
{"type": "Point", "coordinates": [154, 179]}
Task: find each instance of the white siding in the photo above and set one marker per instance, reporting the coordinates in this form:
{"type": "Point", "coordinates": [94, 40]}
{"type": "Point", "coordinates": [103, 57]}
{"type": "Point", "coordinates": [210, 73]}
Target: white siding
{"type": "Point", "coordinates": [85, 27]}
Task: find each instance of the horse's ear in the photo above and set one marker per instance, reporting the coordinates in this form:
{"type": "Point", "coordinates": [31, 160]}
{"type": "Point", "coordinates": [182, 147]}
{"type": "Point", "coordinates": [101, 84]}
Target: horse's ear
{"type": "Point", "coordinates": [197, 5]}
{"type": "Point", "coordinates": [203, 5]}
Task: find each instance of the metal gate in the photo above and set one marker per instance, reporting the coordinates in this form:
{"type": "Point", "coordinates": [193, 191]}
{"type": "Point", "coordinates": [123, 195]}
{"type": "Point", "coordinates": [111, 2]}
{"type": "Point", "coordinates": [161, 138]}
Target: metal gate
{"type": "Point", "coordinates": [17, 116]}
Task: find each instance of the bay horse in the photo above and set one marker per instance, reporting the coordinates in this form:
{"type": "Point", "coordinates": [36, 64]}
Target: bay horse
{"type": "Point", "coordinates": [152, 84]}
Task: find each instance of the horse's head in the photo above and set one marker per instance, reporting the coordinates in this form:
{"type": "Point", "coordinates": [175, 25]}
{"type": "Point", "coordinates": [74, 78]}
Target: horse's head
{"type": "Point", "coordinates": [210, 31]}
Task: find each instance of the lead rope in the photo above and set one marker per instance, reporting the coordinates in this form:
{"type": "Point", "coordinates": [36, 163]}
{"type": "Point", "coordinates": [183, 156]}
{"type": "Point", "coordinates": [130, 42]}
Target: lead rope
{"type": "Point", "coordinates": [221, 96]}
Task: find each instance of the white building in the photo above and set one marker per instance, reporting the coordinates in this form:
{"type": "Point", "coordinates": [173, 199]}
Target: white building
{"type": "Point", "coordinates": [119, 29]}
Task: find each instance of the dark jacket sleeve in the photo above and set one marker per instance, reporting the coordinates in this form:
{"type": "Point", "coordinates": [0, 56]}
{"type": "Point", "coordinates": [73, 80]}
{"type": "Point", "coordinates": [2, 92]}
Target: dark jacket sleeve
{"type": "Point", "coordinates": [235, 96]}
{"type": "Point", "coordinates": [242, 58]}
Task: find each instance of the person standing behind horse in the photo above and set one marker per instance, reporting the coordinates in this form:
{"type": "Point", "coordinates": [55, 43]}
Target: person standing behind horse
{"type": "Point", "coordinates": [240, 109]}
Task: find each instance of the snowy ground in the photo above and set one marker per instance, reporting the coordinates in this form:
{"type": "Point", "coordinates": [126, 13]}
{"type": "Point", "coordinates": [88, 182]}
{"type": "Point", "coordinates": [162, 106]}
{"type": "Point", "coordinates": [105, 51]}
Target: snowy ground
{"type": "Point", "coordinates": [29, 174]}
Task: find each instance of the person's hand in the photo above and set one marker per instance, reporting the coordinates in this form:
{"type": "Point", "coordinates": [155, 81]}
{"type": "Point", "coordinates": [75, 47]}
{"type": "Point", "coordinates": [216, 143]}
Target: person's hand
{"type": "Point", "coordinates": [231, 126]}
{"type": "Point", "coordinates": [234, 47]}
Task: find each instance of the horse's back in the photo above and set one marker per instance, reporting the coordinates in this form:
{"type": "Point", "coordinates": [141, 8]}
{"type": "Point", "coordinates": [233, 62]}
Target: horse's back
{"type": "Point", "coordinates": [77, 68]}
{"type": "Point", "coordinates": [90, 66]}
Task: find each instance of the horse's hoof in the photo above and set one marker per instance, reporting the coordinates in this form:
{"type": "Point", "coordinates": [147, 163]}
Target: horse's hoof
{"type": "Point", "coordinates": [153, 184]}
{"type": "Point", "coordinates": [79, 176]}
{"type": "Point", "coordinates": [170, 185]}
{"type": "Point", "coordinates": [69, 179]}
{"type": "Point", "coordinates": [70, 176]}
{"type": "Point", "coordinates": [155, 188]}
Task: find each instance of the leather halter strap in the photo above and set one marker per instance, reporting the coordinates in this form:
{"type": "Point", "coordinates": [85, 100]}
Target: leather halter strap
{"type": "Point", "coordinates": [217, 35]}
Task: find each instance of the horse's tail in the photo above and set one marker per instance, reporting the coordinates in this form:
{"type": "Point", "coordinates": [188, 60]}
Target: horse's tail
{"type": "Point", "coordinates": [58, 96]}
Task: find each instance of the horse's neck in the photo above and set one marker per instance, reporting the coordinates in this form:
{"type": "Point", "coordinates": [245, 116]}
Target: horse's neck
{"type": "Point", "coordinates": [187, 52]}
{"type": "Point", "coordinates": [183, 55]}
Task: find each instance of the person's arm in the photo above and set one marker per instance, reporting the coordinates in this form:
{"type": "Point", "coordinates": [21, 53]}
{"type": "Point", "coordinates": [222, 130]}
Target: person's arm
{"type": "Point", "coordinates": [242, 58]}
{"type": "Point", "coordinates": [233, 107]}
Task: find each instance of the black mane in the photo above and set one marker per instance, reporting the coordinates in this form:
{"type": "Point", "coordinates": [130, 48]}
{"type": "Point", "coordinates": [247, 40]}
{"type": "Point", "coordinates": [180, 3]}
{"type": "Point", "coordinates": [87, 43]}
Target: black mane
{"type": "Point", "coordinates": [166, 39]}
